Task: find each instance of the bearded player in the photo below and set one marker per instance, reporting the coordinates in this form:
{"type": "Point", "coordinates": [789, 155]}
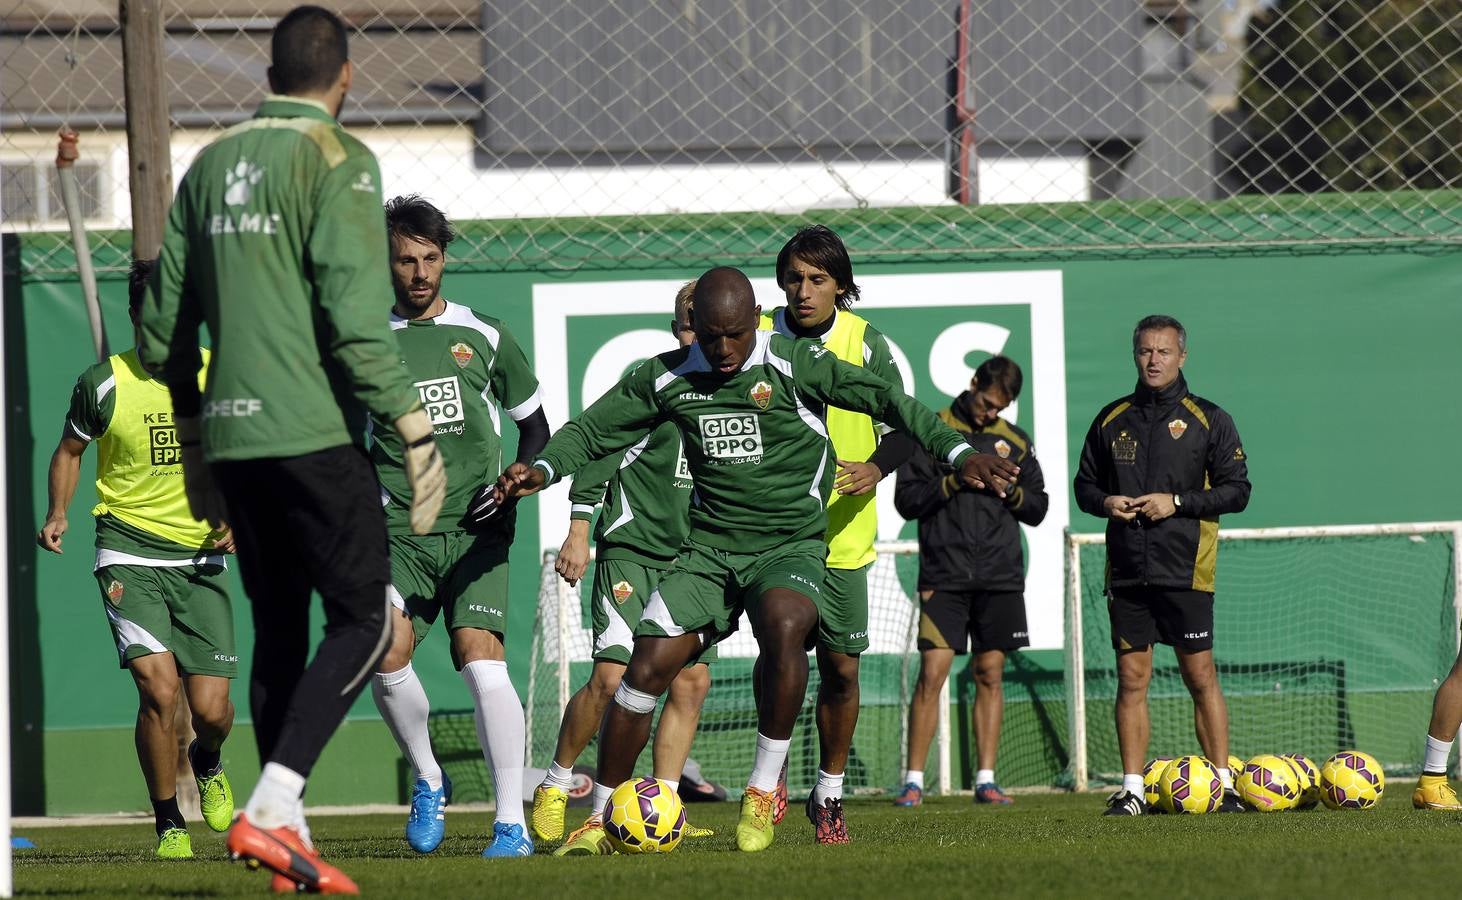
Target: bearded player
{"type": "Point", "coordinates": [469, 372]}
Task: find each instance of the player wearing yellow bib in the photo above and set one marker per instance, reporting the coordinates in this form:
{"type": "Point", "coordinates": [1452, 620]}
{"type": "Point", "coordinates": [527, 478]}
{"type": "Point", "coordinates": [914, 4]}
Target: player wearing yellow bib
{"type": "Point", "coordinates": [160, 573]}
{"type": "Point", "coordinates": [814, 270]}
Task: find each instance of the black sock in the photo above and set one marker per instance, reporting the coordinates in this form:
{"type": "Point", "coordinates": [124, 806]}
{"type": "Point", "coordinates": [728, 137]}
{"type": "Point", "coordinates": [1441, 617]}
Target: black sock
{"type": "Point", "coordinates": [205, 762]}
{"type": "Point", "coordinates": [166, 815]}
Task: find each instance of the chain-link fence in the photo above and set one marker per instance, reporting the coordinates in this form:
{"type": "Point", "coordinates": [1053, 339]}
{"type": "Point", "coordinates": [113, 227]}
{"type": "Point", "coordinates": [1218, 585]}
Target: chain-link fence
{"type": "Point", "coordinates": [684, 131]}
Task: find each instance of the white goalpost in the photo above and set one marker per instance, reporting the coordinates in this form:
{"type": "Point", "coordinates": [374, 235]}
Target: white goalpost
{"type": "Point", "coordinates": [1327, 636]}
{"type": "Point", "coordinates": [562, 652]}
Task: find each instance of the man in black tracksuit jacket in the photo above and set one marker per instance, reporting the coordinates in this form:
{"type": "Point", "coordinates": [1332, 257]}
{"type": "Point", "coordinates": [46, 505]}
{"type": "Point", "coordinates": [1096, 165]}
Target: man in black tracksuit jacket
{"type": "Point", "coordinates": [1161, 465]}
{"type": "Point", "coordinates": [971, 570]}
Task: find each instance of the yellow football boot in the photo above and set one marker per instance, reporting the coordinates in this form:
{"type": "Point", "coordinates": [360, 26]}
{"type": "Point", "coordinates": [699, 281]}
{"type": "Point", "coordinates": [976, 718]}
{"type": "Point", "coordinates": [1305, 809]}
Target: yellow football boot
{"type": "Point", "coordinates": [754, 831]}
{"type": "Point", "coordinates": [1433, 792]}
{"type": "Point", "coordinates": [174, 844]}
{"type": "Point", "coordinates": [548, 808]}
{"type": "Point", "coordinates": [588, 839]}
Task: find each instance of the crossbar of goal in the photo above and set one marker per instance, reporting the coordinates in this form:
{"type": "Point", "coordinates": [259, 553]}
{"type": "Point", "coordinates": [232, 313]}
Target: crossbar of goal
{"type": "Point", "coordinates": [1076, 652]}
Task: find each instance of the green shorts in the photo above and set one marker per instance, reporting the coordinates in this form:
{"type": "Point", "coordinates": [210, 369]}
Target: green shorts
{"type": "Point", "coordinates": [182, 610]}
{"type": "Point", "coordinates": [465, 574]}
{"type": "Point", "coordinates": [706, 589]}
{"type": "Point", "coordinates": [621, 589]}
{"type": "Point", "coordinates": [842, 624]}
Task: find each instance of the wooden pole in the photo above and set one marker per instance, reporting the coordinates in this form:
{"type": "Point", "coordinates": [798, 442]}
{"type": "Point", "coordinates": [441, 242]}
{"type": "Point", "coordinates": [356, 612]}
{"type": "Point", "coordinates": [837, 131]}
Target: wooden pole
{"type": "Point", "coordinates": [150, 178]}
{"type": "Point", "coordinates": [150, 167]}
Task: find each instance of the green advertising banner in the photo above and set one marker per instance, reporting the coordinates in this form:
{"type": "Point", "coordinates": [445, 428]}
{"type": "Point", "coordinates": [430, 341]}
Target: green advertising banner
{"type": "Point", "coordinates": [1336, 369]}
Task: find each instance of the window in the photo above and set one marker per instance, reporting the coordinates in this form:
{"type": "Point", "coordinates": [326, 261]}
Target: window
{"type": "Point", "coordinates": [31, 192]}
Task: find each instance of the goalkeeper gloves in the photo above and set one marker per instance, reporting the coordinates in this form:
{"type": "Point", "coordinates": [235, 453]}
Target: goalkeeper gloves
{"type": "Point", "coordinates": [424, 470]}
{"type": "Point", "coordinates": [204, 500]}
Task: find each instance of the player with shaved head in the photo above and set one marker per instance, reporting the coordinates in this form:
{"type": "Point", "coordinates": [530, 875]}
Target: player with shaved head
{"type": "Point", "coordinates": [750, 407]}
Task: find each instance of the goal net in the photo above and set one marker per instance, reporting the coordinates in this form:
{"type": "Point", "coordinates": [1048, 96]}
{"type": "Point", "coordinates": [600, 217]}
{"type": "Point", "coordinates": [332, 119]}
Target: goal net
{"type": "Point", "coordinates": [726, 740]}
{"type": "Point", "coordinates": [1326, 638]}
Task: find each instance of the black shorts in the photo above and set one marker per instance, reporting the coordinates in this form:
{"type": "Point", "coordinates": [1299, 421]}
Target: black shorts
{"type": "Point", "coordinates": [992, 620]}
{"type": "Point", "coordinates": [1142, 616]}
{"type": "Point", "coordinates": [307, 522]}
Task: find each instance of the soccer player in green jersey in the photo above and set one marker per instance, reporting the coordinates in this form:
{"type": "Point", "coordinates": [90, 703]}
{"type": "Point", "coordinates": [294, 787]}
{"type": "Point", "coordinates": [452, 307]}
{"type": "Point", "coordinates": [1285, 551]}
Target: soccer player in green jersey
{"type": "Point", "coordinates": [750, 409]}
{"type": "Point", "coordinates": [469, 372]}
{"type": "Point", "coordinates": [816, 274]}
{"type": "Point", "coordinates": [161, 576]}
{"type": "Point", "coordinates": [645, 493]}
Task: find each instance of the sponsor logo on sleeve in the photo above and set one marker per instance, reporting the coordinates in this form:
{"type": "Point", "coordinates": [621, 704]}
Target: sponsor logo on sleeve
{"type": "Point", "coordinates": [1176, 428]}
{"type": "Point", "coordinates": [233, 408]}
{"type": "Point", "coordinates": [442, 398]}
{"type": "Point", "coordinates": [462, 353]}
{"type": "Point", "coordinates": [761, 394]}
{"type": "Point", "coordinates": [731, 438]}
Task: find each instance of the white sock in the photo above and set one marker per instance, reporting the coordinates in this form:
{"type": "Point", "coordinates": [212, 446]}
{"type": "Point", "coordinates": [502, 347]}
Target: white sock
{"type": "Point", "coordinates": [828, 786]}
{"type": "Point", "coordinates": [985, 776]}
{"type": "Point", "coordinates": [275, 797]}
{"type": "Point", "coordinates": [770, 754]}
{"type": "Point", "coordinates": [601, 800]}
{"type": "Point", "coordinates": [674, 785]}
{"type": "Point", "coordinates": [300, 825]}
{"type": "Point", "coordinates": [915, 777]}
{"type": "Point", "coordinates": [501, 731]}
{"type": "Point", "coordinates": [1227, 777]}
{"type": "Point", "coordinates": [561, 777]}
{"type": "Point", "coordinates": [1133, 784]}
{"type": "Point", "coordinates": [1437, 753]}
{"type": "Point", "coordinates": [403, 704]}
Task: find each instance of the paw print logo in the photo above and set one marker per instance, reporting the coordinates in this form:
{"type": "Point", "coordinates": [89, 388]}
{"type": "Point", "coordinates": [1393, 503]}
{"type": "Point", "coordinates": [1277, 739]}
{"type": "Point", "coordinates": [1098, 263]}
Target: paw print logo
{"type": "Point", "coordinates": [240, 180]}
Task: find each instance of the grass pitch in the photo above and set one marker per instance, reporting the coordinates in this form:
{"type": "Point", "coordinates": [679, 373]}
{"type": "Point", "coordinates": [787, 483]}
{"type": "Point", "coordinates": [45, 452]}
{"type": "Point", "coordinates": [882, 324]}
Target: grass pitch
{"type": "Point", "coordinates": [1054, 845]}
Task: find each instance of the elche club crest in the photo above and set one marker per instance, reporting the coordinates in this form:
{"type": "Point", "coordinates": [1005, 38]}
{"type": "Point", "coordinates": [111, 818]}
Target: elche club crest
{"type": "Point", "coordinates": [1176, 428]}
{"type": "Point", "coordinates": [761, 394]}
{"type": "Point", "coordinates": [623, 590]}
{"type": "Point", "coordinates": [114, 592]}
{"type": "Point", "coordinates": [1002, 449]}
{"type": "Point", "coordinates": [462, 353]}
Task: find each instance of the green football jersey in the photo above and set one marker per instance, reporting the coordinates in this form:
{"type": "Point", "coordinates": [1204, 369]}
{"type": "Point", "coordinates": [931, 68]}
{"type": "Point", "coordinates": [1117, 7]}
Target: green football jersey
{"type": "Point", "coordinates": [755, 443]}
{"type": "Point", "coordinates": [468, 371]}
{"type": "Point", "coordinates": [646, 496]}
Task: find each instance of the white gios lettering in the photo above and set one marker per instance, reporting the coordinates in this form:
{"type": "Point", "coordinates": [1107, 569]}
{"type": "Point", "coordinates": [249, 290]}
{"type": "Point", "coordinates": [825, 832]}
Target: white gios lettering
{"type": "Point", "coordinates": [731, 436]}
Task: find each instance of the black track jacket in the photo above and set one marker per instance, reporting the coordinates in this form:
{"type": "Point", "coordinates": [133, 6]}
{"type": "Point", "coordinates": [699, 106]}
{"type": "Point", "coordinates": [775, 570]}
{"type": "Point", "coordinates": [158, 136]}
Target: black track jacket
{"type": "Point", "coordinates": [970, 539]}
{"type": "Point", "coordinates": [1168, 442]}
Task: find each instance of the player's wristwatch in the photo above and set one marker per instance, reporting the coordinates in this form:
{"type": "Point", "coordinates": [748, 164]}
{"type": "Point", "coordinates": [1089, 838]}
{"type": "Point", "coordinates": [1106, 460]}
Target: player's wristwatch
{"type": "Point", "coordinates": [1177, 501]}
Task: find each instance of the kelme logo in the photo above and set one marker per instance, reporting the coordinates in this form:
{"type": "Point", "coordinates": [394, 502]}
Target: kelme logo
{"type": "Point", "coordinates": [761, 394]}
